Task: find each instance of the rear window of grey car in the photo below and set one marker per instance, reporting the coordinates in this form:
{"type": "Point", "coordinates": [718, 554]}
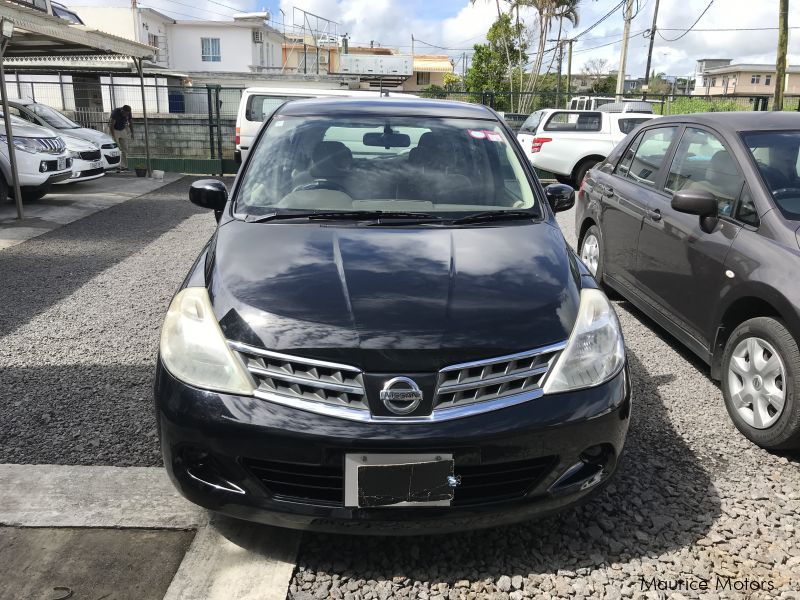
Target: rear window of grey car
{"type": "Point", "coordinates": [574, 121]}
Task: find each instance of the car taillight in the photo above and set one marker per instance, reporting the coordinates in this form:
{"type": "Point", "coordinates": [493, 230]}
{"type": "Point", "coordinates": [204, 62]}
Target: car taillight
{"type": "Point", "coordinates": [536, 145]}
{"type": "Point", "coordinates": [238, 139]}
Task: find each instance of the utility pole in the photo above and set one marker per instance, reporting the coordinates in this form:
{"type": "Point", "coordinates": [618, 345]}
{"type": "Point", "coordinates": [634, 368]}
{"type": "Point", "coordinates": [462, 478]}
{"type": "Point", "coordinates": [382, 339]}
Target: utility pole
{"type": "Point", "coordinates": [558, 81]}
{"type": "Point", "coordinates": [623, 53]}
{"type": "Point", "coordinates": [412, 44]}
{"type": "Point", "coordinates": [780, 61]}
{"type": "Point", "coordinates": [569, 70]}
{"type": "Point", "coordinates": [650, 49]}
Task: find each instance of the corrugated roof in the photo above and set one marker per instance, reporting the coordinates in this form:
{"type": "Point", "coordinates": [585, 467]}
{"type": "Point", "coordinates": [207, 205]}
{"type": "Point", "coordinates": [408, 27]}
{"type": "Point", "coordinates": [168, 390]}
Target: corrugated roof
{"type": "Point", "coordinates": [433, 63]}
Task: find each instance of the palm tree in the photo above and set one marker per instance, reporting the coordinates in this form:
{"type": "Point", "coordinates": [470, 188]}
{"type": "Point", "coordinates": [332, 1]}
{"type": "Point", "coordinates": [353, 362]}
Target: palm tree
{"type": "Point", "coordinates": [548, 12]}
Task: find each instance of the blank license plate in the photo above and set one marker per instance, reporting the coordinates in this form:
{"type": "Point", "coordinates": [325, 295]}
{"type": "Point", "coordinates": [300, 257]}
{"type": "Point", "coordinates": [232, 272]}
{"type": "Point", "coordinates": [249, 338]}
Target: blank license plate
{"type": "Point", "coordinates": [375, 480]}
{"type": "Point", "coordinates": [62, 163]}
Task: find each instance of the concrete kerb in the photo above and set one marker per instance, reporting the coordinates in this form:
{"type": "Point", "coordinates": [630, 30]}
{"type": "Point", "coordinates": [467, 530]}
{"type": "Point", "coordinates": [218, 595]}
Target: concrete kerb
{"type": "Point", "coordinates": [228, 559]}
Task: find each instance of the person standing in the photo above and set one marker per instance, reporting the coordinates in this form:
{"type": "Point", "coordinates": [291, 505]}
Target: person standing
{"type": "Point", "coordinates": [120, 125]}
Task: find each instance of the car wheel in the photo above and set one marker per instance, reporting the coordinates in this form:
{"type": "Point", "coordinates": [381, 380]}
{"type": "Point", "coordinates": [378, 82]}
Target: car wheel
{"type": "Point", "coordinates": [760, 381]}
{"type": "Point", "coordinates": [591, 252]}
{"type": "Point", "coordinates": [581, 170]}
{"type": "Point", "coordinates": [563, 179]}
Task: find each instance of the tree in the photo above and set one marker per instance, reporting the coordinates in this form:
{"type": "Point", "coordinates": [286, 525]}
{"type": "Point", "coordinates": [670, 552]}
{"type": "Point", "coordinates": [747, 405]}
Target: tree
{"type": "Point", "coordinates": [506, 42]}
{"type": "Point", "coordinates": [596, 71]}
{"type": "Point", "coordinates": [549, 13]}
{"type": "Point", "coordinates": [489, 68]}
{"type": "Point", "coordinates": [452, 82]}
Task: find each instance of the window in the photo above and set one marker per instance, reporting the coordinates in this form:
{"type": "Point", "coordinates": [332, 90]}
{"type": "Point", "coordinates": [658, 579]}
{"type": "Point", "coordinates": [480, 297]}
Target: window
{"type": "Point", "coordinates": [574, 121]}
{"type": "Point", "coordinates": [439, 165]}
{"type": "Point", "coordinates": [713, 82]}
{"type": "Point", "coordinates": [581, 104]}
{"type": "Point", "coordinates": [531, 123]}
{"type": "Point", "coordinates": [423, 78]}
{"type": "Point", "coordinates": [746, 211]}
{"type": "Point", "coordinates": [628, 125]}
{"type": "Point", "coordinates": [210, 50]}
{"type": "Point", "coordinates": [777, 155]}
{"type": "Point", "coordinates": [754, 79]}
{"type": "Point", "coordinates": [260, 108]}
{"type": "Point", "coordinates": [644, 157]}
{"type": "Point", "coordinates": [767, 79]}
{"type": "Point", "coordinates": [701, 162]}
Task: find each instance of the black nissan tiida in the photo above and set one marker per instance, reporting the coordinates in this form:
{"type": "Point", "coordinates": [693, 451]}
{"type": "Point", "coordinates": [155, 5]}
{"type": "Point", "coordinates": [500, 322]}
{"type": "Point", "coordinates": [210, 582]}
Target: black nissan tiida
{"type": "Point", "coordinates": [388, 332]}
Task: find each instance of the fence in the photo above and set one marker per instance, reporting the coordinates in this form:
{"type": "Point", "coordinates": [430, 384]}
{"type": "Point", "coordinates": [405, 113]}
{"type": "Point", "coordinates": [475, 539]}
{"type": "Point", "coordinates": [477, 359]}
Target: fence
{"type": "Point", "coordinates": [192, 130]}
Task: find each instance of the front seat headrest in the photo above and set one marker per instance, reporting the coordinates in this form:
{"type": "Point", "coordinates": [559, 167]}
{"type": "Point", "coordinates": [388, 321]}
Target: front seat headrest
{"type": "Point", "coordinates": [330, 159]}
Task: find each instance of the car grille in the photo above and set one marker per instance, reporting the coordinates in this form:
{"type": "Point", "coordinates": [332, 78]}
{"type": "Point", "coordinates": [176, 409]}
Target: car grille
{"type": "Point", "coordinates": [109, 146]}
{"type": "Point", "coordinates": [90, 155]}
{"type": "Point", "coordinates": [494, 378]}
{"type": "Point", "coordinates": [313, 484]}
{"type": "Point", "coordinates": [283, 377]}
{"type": "Point", "coordinates": [324, 485]}
{"type": "Point", "coordinates": [52, 145]}
{"type": "Point", "coordinates": [112, 160]}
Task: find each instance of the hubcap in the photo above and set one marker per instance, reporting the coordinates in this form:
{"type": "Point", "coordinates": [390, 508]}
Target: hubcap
{"type": "Point", "coordinates": [590, 252]}
{"type": "Point", "coordinates": [756, 381]}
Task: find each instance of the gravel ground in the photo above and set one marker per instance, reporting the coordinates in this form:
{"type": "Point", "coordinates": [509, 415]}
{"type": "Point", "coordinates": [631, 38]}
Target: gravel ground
{"type": "Point", "coordinates": [82, 309]}
{"type": "Point", "coordinates": [693, 500]}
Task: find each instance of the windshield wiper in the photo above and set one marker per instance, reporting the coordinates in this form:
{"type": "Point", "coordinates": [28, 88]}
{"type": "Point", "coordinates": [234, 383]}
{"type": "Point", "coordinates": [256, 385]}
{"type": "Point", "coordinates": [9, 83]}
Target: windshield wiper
{"type": "Point", "coordinates": [353, 215]}
{"type": "Point", "coordinates": [495, 215]}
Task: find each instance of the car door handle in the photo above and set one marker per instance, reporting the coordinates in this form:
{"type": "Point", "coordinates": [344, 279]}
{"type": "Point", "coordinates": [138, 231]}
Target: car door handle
{"type": "Point", "coordinates": [608, 192]}
{"type": "Point", "coordinates": [655, 215]}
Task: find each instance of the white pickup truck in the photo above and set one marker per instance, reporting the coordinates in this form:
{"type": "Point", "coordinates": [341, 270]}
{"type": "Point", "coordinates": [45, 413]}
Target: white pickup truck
{"type": "Point", "coordinates": [567, 143]}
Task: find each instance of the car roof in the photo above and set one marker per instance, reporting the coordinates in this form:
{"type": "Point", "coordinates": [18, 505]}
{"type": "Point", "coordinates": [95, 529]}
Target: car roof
{"type": "Point", "coordinates": [739, 121]}
{"type": "Point", "coordinates": [382, 106]}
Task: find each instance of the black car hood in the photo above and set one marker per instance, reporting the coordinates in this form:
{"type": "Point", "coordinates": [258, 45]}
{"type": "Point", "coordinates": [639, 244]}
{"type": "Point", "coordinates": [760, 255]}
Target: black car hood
{"type": "Point", "coordinates": [393, 299]}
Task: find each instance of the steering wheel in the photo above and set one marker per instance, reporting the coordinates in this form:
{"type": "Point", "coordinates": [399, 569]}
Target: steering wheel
{"type": "Point", "coordinates": [786, 192]}
{"type": "Point", "coordinates": [321, 184]}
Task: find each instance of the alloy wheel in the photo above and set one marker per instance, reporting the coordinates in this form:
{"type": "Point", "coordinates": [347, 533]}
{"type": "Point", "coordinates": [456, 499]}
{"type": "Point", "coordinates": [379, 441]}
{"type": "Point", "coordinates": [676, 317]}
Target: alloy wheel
{"type": "Point", "coordinates": [590, 252]}
{"type": "Point", "coordinates": [756, 381]}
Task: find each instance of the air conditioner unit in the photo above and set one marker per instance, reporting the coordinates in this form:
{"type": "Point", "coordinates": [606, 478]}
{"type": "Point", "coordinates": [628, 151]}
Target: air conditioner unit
{"type": "Point", "coordinates": [258, 37]}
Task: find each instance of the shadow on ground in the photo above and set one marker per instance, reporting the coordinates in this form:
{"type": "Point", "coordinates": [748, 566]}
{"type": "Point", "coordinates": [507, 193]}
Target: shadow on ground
{"type": "Point", "coordinates": [661, 500]}
{"type": "Point", "coordinates": [43, 270]}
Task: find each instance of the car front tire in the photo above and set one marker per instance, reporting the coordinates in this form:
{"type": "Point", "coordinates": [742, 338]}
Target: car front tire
{"type": "Point", "coordinates": [760, 381]}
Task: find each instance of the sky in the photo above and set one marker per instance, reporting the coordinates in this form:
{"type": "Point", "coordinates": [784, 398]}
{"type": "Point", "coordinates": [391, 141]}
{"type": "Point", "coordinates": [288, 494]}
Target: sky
{"type": "Point", "coordinates": [456, 25]}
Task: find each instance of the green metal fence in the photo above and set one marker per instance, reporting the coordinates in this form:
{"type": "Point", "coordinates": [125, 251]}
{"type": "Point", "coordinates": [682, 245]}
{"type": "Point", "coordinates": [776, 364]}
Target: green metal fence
{"type": "Point", "coordinates": [193, 129]}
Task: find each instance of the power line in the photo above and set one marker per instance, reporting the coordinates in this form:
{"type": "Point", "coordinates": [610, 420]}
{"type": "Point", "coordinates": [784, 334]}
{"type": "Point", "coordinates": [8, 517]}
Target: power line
{"type": "Point", "coordinates": [705, 10]}
{"type": "Point", "coordinates": [603, 18]}
{"type": "Point", "coordinates": [711, 30]}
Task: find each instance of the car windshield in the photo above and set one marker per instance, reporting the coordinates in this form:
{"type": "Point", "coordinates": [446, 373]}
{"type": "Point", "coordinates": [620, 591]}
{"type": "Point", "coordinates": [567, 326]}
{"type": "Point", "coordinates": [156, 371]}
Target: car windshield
{"type": "Point", "coordinates": [776, 154]}
{"type": "Point", "coordinates": [53, 117]}
{"type": "Point", "coordinates": [384, 163]}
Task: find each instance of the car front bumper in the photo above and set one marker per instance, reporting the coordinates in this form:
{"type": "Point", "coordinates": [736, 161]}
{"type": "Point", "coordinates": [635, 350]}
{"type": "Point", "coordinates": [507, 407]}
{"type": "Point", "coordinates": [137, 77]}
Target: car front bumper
{"type": "Point", "coordinates": [523, 461]}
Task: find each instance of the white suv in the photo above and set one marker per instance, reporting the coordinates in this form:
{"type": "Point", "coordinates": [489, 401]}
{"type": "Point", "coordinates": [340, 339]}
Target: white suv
{"type": "Point", "coordinates": [567, 143]}
{"type": "Point", "coordinates": [42, 159]}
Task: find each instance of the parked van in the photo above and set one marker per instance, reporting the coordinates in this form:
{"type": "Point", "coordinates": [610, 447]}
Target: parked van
{"type": "Point", "coordinates": [259, 103]}
{"type": "Point", "coordinates": [590, 102]}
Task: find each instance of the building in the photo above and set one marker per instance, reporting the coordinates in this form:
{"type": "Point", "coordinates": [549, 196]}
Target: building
{"type": "Point", "coordinates": [749, 80]}
{"type": "Point", "coordinates": [428, 69]}
{"type": "Point", "coordinates": [704, 64]}
{"type": "Point", "coordinates": [245, 44]}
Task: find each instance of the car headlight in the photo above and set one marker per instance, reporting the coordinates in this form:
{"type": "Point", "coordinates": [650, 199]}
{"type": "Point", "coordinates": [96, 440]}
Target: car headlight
{"type": "Point", "coordinates": [193, 347]}
{"type": "Point", "coordinates": [595, 351]}
{"type": "Point", "coordinates": [74, 154]}
{"type": "Point", "coordinates": [24, 144]}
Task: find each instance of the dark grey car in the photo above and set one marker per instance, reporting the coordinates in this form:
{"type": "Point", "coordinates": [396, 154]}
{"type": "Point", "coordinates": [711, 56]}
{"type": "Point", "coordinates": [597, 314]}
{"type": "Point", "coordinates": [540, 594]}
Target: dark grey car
{"type": "Point", "coordinates": [695, 219]}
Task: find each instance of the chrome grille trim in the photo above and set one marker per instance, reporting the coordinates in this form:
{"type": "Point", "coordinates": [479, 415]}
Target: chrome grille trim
{"type": "Point", "coordinates": [305, 382]}
{"type": "Point", "coordinates": [498, 378]}
{"type": "Point", "coordinates": [52, 145]}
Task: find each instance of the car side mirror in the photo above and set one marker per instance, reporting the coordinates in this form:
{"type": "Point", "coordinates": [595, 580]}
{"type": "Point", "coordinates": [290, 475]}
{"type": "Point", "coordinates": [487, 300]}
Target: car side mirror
{"type": "Point", "coordinates": [209, 193]}
{"type": "Point", "coordinates": [560, 196]}
{"type": "Point", "coordinates": [697, 202]}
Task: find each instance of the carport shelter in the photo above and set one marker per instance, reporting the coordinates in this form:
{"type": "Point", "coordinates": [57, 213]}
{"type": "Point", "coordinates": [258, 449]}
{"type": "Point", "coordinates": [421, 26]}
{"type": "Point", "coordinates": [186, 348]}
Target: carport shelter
{"type": "Point", "coordinates": [38, 34]}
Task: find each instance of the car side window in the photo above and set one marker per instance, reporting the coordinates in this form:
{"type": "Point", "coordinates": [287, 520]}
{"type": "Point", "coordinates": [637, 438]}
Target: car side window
{"type": "Point", "coordinates": [703, 163]}
{"type": "Point", "coordinates": [645, 156]}
{"type": "Point", "coordinates": [531, 123]}
{"type": "Point", "coordinates": [746, 210]}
